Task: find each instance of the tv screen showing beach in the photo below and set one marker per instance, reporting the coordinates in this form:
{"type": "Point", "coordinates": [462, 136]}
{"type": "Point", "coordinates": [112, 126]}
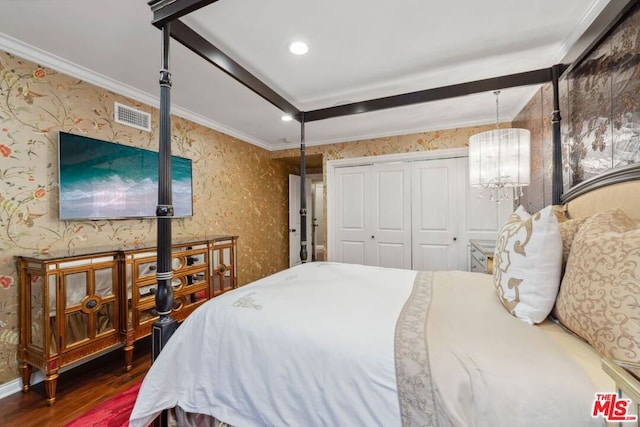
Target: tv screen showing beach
{"type": "Point", "coordinates": [105, 180]}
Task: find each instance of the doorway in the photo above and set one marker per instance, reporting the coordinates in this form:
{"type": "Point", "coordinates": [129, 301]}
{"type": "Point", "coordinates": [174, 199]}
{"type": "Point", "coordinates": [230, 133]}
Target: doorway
{"type": "Point", "coordinates": [318, 233]}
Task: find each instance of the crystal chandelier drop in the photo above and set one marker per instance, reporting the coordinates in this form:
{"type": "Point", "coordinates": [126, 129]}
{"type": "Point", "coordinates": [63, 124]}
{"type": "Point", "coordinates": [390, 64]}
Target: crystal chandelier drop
{"type": "Point", "coordinates": [499, 160]}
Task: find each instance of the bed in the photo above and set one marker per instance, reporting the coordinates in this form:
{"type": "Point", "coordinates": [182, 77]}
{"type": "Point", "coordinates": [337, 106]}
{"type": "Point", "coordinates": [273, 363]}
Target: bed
{"type": "Point", "coordinates": [339, 344]}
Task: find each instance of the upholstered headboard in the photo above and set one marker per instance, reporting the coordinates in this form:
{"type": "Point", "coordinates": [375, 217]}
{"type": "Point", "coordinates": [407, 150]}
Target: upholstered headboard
{"type": "Point", "coordinates": [619, 188]}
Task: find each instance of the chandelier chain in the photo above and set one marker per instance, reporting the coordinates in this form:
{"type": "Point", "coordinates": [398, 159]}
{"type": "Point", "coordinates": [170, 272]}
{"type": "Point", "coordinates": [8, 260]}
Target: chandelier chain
{"type": "Point", "coordinates": [496, 93]}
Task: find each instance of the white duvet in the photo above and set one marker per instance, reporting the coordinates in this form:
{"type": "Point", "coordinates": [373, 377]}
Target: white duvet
{"type": "Point", "coordinates": [313, 346]}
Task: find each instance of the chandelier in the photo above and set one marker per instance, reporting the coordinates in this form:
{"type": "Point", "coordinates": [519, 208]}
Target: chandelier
{"type": "Point", "coordinates": [499, 160]}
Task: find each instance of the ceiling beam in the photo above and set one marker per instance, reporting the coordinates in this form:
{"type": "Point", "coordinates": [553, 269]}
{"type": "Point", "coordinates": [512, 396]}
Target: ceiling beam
{"type": "Point", "coordinates": [202, 47]}
{"type": "Point", "coordinates": [503, 82]}
{"type": "Point", "coordinates": [165, 11]}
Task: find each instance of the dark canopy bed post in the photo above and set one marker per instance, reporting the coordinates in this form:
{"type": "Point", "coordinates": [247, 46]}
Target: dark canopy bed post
{"type": "Point", "coordinates": [164, 327]}
{"type": "Point", "coordinates": [556, 189]}
{"type": "Point", "coordinates": [303, 194]}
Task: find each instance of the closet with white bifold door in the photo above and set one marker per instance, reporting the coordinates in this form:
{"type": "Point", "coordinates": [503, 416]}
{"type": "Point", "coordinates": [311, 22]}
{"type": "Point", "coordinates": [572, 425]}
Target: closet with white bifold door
{"type": "Point", "coordinates": [373, 215]}
{"type": "Point", "coordinates": [416, 213]}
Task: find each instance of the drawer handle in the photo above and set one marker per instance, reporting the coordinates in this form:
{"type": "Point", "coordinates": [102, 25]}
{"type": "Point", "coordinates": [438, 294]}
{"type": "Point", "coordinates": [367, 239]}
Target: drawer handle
{"type": "Point", "coordinates": [481, 259]}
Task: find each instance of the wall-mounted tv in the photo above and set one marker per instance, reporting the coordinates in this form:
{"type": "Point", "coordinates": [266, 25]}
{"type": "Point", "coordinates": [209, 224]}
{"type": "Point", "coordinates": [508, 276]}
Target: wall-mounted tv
{"type": "Point", "coordinates": [105, 180]}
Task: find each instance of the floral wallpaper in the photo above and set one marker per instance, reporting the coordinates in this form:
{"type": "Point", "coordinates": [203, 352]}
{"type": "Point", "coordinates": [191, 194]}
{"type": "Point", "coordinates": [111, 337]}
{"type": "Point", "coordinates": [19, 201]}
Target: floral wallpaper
{"type": "Point", "coordinates": [229, 195]}
{"type": "Point", "coordinates": [536, 116]}
{"type": "Point", "coordinates": [601, 102]}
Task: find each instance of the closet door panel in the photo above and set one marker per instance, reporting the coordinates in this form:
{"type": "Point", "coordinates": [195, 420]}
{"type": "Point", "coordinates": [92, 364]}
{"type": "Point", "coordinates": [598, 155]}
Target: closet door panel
{"type": "Point", "coordinates": [392, 255]}
{"type": "Point", "coordinates": [352, 202]}
{"type": "Point", "coordinates": [430, 257]}
{"type": "Point", "coordinates": [435, 214]}
{"type": "Point", "coordinates": [390, 239]}
{"type": "Point", "coordinates": [352, 252]}
{"type": "Point", "coordinates": [352, 215]}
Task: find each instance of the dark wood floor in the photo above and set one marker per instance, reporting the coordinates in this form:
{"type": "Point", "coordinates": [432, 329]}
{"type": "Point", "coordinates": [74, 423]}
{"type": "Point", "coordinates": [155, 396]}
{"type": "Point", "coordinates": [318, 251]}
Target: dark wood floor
{"type": "Point", "coordinates": [79, 390]}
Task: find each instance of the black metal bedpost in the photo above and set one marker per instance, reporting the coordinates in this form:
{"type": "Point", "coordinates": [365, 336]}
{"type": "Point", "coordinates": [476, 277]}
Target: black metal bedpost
{"type": "Point", "coordinates": [164, 327]}
{"type": "Point", "coordinates": [556, 185]}
{"type": "Point", "coordinates": [303, 194]}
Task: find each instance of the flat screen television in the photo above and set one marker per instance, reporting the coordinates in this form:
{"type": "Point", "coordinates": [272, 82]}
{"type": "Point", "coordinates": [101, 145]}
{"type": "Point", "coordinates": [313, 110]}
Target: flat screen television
{"type": "Point", "coordinates": [105, 180]}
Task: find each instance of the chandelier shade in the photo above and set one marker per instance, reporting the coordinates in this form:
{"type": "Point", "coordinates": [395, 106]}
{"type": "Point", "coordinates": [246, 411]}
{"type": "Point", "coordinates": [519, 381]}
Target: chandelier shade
{"type": "Point", "coordinates": [499, 159]}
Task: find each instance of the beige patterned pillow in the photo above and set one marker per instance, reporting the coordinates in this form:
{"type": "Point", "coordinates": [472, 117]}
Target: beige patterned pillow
{"type": "Point", "coordinates": [560, 211]}
{"type": "Point", "coordinates": [527, 264]}
{"type": "Point", "coordinates": [599, 298]}
{"type": "Point", "coordinates": [568, 230]}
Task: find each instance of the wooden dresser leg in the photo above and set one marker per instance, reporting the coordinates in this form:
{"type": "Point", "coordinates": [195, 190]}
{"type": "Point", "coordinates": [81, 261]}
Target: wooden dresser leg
{"type": "Point", "coordinates": [26, 370]}
{"type": "Point", "coordinates": [50, 382]}
{"type": "Point", "coordinates": [128, 356]}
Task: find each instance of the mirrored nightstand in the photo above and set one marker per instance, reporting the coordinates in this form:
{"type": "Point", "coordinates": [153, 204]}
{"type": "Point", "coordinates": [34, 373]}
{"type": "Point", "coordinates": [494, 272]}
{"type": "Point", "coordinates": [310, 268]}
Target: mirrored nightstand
{"type": "Point", "coordinates": [481, 252]}
{"type": "Point", "coordinates": [627, 378]}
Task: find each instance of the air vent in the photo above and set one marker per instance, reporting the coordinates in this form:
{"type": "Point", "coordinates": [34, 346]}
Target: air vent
{"type": "Point", "coordinates": [132, 117]}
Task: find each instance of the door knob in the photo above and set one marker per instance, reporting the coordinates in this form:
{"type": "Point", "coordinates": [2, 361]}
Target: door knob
{"type": "Point", "coordinates": [455, 238]}
{"type": "Point", "coordinates": [293, 230]}
{"type": "Point", "coordinates": [373, 237]}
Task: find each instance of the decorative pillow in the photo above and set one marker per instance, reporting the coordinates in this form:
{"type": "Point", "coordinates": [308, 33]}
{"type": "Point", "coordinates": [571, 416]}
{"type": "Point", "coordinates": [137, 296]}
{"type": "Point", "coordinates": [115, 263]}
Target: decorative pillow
{"type": "Point", "coordinates": [560, 211]}
{"type": "Point", "coordinates": [599, 298]}
{"type": "Point", "coordinates": [568, 230]}
{"type": "Point", "coordinates": [527, 264]}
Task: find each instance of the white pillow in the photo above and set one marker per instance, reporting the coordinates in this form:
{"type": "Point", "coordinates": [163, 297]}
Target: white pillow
{"type": "Point", "coordinates": [527, 264]}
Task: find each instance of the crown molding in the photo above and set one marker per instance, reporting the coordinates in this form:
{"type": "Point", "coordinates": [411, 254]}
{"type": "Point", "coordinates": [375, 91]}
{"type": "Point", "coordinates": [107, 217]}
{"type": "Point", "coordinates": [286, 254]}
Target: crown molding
{"type": "Point", "coordinates": [47, 59]}
{"type": "Point", "coordinates": [399, 132]}
{"type": "Point", "coordinates": [44, 58]}
{"type": "Point", "coordinates": [212, 124]}
{"type": "Point", "coordinates": [596, 8]}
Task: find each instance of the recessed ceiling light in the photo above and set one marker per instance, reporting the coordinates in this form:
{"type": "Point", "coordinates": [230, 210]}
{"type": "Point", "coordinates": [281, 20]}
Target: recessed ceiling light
{"type": "Point", "coordinates": [286, 118]}
{"type": "Point", "coordinates": [298, 48]}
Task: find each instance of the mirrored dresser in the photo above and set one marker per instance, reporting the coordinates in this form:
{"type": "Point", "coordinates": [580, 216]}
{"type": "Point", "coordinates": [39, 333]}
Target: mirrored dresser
{"type": "Point", "coordinates": [76, 307]}
{"type": "Point", "coordinates": [68, 311]}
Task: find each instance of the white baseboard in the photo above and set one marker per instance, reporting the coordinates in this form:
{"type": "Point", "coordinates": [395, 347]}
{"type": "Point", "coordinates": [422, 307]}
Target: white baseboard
{"type": "Point", "coordinates": [14, 386]}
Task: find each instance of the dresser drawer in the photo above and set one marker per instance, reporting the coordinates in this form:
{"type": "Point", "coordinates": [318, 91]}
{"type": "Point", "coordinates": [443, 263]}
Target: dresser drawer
{"type": "Point", "coordinates": [481, 256]}
{"type": "Point", "coordinates": [477, 267]}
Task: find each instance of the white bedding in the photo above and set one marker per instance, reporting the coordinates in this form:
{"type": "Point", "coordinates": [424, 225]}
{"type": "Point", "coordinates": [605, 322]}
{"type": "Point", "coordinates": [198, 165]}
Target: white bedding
{"type": "Point", "coordinates": [313, 346]}
{"type": "Point", "coordinates": [491, 369]}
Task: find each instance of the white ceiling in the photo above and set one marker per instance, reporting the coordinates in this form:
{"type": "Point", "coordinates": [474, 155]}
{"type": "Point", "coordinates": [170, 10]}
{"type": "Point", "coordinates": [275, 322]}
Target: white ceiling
{"type": "Point", "coordinates": [359, 49]}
